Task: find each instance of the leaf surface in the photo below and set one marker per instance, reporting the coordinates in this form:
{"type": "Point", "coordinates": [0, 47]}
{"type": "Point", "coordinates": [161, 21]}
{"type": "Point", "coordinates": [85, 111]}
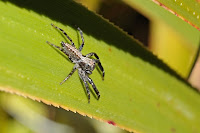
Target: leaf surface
{"type": "Point", "coordinates": [139, 93]}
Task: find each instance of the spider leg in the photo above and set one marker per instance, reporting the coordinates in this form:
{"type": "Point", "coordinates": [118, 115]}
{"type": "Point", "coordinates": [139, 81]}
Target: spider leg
{"type": "Point", "coordinates": [81, 33]}
{"type": "Point", "coordinates": [64, 34]}
{"type": "Point", "coordinates": [63, 44]}
{"type": "Point", "coordinates": [70, 74]}
{"type": "Point", "coordinates": [65, 48]}
{"type": "Point", "coordinates": [61, 49]}
{"type": "Point", "coordinates": [87, 90]}
{"type": "Point", "coordinates": [94, 87]}
{"type": "Point", "coordinates": [83, 78]}
{"type": "Point", "coordinates": [97, 61]}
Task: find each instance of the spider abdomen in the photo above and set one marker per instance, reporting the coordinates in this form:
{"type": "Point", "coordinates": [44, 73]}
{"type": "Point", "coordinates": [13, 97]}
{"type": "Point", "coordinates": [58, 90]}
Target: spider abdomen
{"type": "Point", "coordinates": [72, 52]}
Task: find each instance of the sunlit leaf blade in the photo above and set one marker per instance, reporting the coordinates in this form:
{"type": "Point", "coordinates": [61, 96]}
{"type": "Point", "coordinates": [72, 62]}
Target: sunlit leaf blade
{"type": "Point", "coordinates": [187, 10]}
{"type": "Point", "coordinates": [139, 92]}
{"type": "Point", "coordinates": [154, 11]}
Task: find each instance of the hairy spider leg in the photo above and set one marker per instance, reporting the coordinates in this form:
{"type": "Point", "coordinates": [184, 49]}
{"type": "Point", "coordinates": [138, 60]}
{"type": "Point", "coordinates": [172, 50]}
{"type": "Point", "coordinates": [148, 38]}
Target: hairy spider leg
{"type": "Point", "coordinates": [83, 78]}
{"type": "Point", "coordinates": [70, 74]}
{"type": "Point", "coordinates": [64, 46]}
{"type": "Point", "coordinates": [97, 61]}
{"type": "Point", "coordinates": [101, 68]}
{"type": "Point", "coordinates": [81, 33]}
{"type": "Point", "coordinates": [94, 87]}
{"type": "Point", "coordinates": [64, 34]}
{"type": "Point", "coordinates": [61, 49]}
{"type": "Point", "coordinates": [87, 90]}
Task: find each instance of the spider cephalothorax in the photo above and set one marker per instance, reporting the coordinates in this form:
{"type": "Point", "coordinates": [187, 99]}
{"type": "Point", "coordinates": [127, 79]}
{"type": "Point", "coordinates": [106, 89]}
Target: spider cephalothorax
{"type": "Point", "coordinates": [83, 63]}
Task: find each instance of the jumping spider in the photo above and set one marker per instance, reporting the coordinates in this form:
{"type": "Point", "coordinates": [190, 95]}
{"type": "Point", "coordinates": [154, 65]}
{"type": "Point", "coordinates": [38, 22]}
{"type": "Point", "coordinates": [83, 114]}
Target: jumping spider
{"type": "Point", "coordinates": [83, 63]}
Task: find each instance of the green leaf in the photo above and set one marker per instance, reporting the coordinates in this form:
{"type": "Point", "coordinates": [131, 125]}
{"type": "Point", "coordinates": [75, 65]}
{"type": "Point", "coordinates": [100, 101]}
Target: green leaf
{"type": "Point", "coordinates": [163, 10]}
{"type": "Point", "coordinates": [139, 93]}
{"type": "Point", "coordinates": [187, 10]}
{"type": "Point", "coordinates": [160, 12]}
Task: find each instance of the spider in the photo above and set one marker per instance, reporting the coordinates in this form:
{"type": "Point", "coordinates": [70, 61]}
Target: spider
{"type": "Point", "coordinates": [83, 63]}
